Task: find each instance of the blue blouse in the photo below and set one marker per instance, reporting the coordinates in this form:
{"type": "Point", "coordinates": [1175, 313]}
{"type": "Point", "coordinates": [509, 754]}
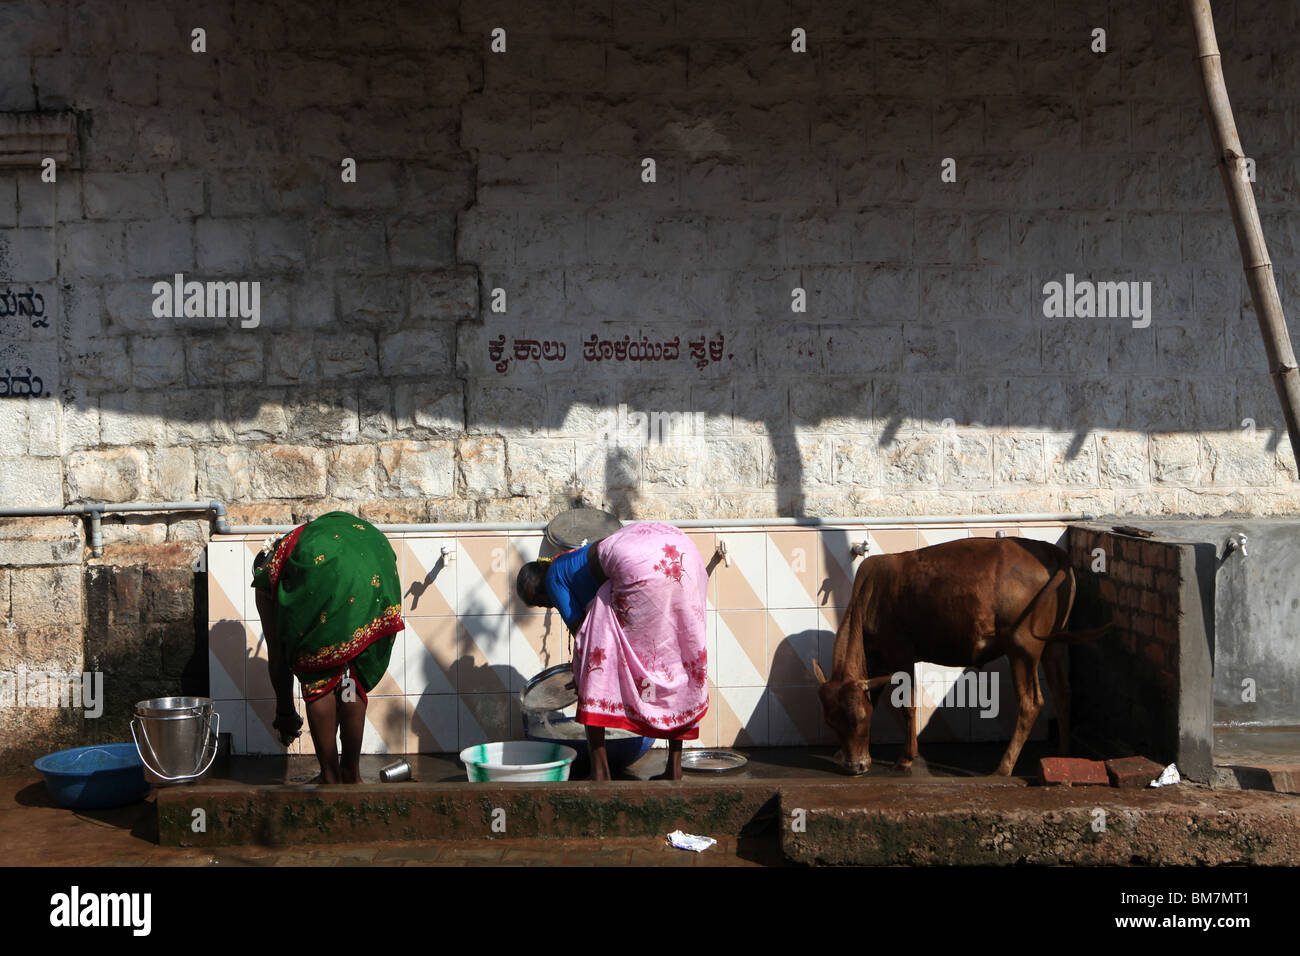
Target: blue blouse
{"type": "Point", "coordinates": [572, 586]}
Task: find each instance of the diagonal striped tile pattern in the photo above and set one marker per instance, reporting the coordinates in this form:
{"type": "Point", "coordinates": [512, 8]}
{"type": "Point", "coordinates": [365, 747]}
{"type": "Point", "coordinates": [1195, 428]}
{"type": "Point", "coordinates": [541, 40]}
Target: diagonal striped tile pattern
{"type": "Point", "coordinates": [470, 644]}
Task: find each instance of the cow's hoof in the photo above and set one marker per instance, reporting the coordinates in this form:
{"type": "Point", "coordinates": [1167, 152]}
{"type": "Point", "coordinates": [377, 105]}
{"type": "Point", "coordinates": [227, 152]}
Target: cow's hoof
{"type": "Point", "coordinates": [903, 766]}
{"type": "Point", "coordinates": [1002, 771]}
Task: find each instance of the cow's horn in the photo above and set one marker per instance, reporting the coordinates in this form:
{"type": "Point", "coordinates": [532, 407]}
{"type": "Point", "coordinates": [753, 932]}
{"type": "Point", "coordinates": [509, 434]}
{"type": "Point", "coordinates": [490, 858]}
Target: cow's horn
{"type": "Point", "coordinates": [817, 672]}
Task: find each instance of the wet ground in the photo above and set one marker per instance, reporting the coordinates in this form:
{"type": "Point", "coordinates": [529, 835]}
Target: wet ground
{"type": "Point", "coordinates": [35, 832]}
{"type": "Point", "coordinates": [1252, 758]}
{"type": "Point", "coordinates": [1257, 758]}
{"type": "Point", "coordinates": [1256, 745]}
{"type": "Point", "coordinates": [947, 762]}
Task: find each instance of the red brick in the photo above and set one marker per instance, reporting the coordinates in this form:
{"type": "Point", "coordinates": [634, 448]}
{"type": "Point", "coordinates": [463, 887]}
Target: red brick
{"type": "Point", "coordinates": [1143, 577]}
{"type": "Point", "coordinates": [1072, 770]}
{"type": "Point", "coordinates": [1155, 653]}
{"type": "Point", "coordinates": [1132, 772]}
{"type": "Point", "coordinates": [1167, 682]}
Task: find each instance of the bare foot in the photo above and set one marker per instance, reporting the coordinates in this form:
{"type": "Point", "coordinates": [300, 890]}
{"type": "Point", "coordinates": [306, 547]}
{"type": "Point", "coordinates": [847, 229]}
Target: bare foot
{"type": "Point", "coordinates": [672, 767]}
{"type": "Point", "coordinates": [597, 754]}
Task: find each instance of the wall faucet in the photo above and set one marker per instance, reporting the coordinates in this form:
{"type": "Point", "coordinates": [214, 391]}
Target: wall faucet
{"type": "Point", "coordinates": [1236, 540]}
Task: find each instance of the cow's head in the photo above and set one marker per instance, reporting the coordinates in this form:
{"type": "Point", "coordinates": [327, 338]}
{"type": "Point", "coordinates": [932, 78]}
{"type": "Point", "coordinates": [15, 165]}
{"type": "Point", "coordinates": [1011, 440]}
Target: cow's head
{"type": "Point", "coordinates": [846, 705]}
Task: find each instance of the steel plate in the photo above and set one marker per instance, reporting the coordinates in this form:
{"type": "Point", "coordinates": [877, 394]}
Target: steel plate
{"type": "Point", "coordinates": [571, 528]}
{"type": "Point", "coordinates": [712, 761]}
{"type": "Point", "coordinates": [552, 689]}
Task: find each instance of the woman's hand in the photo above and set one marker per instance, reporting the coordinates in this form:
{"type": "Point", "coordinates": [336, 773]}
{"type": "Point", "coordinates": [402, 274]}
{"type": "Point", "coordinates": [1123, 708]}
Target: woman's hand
{"type": "Point", "coordinates": [289, 724]}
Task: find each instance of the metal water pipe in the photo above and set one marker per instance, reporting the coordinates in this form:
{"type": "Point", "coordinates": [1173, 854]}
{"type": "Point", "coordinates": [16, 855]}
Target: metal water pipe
{"type": "Point", "coordinates": [93, 514]}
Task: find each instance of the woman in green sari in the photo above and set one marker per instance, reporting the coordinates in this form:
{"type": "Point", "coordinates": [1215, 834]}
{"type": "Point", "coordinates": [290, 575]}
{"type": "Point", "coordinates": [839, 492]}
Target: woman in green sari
{"type": "Point", "coordinates": [330, 601]}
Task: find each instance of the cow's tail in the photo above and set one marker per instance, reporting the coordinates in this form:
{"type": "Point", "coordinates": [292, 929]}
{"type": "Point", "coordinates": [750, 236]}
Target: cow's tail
{"type": "Point", "coordinates": [1063, 583]}
{"type": "Point", "coordinates": [1091, 614]}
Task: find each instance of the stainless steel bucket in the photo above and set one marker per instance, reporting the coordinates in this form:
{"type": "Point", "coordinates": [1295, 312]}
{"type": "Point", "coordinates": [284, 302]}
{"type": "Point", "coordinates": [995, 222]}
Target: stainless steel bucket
{"type": "Point", "coordinates": [176, 736]}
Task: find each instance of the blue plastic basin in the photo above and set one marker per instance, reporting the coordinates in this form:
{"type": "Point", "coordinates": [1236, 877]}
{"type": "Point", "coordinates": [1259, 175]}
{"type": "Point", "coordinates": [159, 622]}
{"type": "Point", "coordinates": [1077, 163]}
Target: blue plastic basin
{"type": "Point", "coordinates": [94, 778]}
{"type": "Point", "coordinates": [619, 751]}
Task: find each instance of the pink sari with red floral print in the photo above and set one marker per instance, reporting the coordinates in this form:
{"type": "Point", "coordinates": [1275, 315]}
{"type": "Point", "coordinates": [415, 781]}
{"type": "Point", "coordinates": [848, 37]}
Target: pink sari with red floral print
{"type": "Point", "coordinates": [640, 658]}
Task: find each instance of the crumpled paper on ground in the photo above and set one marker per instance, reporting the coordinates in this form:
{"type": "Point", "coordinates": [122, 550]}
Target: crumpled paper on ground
{"type": "Point", "coordinates": [688, 841]}
{"type": "Point", "coordinates": [1168, 777]}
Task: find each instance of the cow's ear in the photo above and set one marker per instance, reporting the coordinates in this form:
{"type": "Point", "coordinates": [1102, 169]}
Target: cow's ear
{"type": "Point", "coordinates": [817, 672]}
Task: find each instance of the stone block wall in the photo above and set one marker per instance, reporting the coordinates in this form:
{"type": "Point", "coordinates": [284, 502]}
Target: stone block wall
{"type": "Point", "coordinates": [647, 256]}
{"type": "Point", "coordinates": [42, 600]}
{"type": "Point", "coordinates": [151, 645]}
{"type": "Point", "coordinates": [477, 326]}
{"type": "Point", "coordinates": [136, 618]}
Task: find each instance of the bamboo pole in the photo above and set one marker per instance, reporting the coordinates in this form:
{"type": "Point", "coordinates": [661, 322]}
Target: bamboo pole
{"type": "Point", "coordinates": [1245, 217]}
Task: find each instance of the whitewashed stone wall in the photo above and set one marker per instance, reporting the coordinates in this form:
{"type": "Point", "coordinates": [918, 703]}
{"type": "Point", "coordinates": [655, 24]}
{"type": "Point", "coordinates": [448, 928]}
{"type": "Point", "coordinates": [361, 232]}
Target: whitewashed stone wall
{"type": "Point", "coordinates": [922, 377]}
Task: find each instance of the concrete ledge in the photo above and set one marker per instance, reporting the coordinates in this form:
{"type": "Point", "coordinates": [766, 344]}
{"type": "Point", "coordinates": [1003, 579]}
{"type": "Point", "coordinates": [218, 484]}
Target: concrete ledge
{"type": "Point", "coordinates": [887, 824]}
{"type": "Point", "coordinates": [312, 814]}
{"type": "Point", "coordinates": [1281, 779]}
{"type": "Point", "coordinates": [853, 822]}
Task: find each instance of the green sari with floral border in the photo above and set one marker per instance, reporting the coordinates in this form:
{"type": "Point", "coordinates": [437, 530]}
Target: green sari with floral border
{"type": "Point", "coordinates": [338, 601]}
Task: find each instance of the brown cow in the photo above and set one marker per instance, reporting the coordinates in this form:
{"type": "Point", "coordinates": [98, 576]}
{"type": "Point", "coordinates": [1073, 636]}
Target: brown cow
{"type": "Point", "coordinates": [959, 604]}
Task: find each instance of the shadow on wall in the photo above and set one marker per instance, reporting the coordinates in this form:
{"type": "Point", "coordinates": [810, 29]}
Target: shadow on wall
{"type": "Point", "coordinates": [924, 322]}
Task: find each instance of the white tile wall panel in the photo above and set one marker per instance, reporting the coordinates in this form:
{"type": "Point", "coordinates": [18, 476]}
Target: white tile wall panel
{"type": "Point", "coordinates": [470, 644]}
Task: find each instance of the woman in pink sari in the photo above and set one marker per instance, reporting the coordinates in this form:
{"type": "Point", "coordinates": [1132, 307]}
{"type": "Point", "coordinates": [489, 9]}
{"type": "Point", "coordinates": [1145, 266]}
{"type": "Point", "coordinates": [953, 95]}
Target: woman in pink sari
{"type": "Point", "coordinates": [635, 602]}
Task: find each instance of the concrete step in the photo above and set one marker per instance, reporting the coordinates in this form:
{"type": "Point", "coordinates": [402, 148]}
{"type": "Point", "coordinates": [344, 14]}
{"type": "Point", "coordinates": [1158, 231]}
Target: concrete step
{"type": "Point", "coordinates": [1278, 778]}
{"type": "Point", "coordinates": [885, 819]}
{"type": "Point", "coordinates": [966, 824]}
{"type": "Point", "coordinates": [226, 814]}
{"type": "Point", "coordinates": [1257, 758]}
